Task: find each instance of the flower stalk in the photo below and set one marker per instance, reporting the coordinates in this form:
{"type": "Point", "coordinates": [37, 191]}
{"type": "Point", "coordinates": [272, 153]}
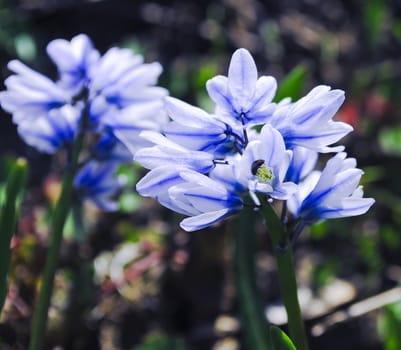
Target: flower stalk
{"type": "Point", "coordinates": [253, 320]}
{"type": "Point", "coordinates": [59, 217]}
{"type": "Point", "coordinates": [286, 275]}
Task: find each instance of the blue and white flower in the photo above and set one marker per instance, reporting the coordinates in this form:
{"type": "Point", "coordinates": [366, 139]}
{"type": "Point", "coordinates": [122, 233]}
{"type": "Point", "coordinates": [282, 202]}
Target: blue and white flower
{"type": "Point", "coordinates": [331, 193]}
{"type": "Point", "coordinates": [109, 147]}
{"type": "Point", "coordinates": [241, 96]}
{"type": "Point", "coordinates": [167, 152]}
{"type": "Point", "coordinates": [227, 150]}
{"type": "Point", "coordinates": [195, 129]}
{"type": "Point", "coordinates": [187, 192]}
{"type": "Point", "coordinates": [309, 121]}
{"type": "Point", "coordinates": [302, 163]}
{"type": "Point", "coordinates": [74, 60]}
{"type": "Point", "coordinates": [98, 183]}
{"type": "Point", "coordinates": [204, 200]}
{"type": "Point", "coordinates": [119, 79]}
{"type": "Point", "coordinates": [29, 94]}
{"type": "Point", "coordinates": [51, 132]}
{"type": "Point", "coordinates": [264, 164]}
{"type": "Point", "coordinates": [130, 121]}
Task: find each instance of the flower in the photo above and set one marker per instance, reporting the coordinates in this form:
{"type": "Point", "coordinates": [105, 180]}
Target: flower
{"type": "Point", "coordinates": [241, 96]}
{"type": "Point", "coordinates": [195, 129]}
{"type": "Point", "coordinates": [29, 94]}
{"type": "Point", "coordinates": [302, 163]}
{"type": "Point", "coordinates": [309, 121]}
{"type": "Point", "coordinates": [98, 183]}
{"type": "Point", "coordinates": [110, 147]}
{"type": "Point", "coordinates": [167, 152]}
{"type": "Point", "coordinates": [185, 191]}
{"type": "Point", "coordinates": [202, 165]}
{"type": "Point", "coordinates": [204, 199]}
{"type": "Point", "coordinates": [120, 79]}
{"type": "Point", "coordinates": [264, 164]}
{"type": "Point", "coordinates": [74, 60]}
{"type": "Point", "coordinates": [51, 132]}
{"type": "Point", "coordinates": [331, 193]}
{"type": "Point", "coordinates": [115, 97]}
{"type": "Point", "coordinates": [129, 122]}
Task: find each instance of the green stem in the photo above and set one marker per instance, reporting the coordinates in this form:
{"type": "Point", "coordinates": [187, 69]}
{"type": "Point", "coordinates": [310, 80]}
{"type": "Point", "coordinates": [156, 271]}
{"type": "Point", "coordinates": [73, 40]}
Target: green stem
{"type": "Point", "coordinates": [286, 275]}
{"type": "Point", "coordinates": [253, 319]}
{"type": "Point", "coordinates": [8, 219]}
{"type": "Point", "coordinates": [79, 227]}
{"type": "Point", "coordinates": [57, 225]}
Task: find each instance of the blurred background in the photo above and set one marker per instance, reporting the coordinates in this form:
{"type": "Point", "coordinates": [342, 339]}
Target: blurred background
{"type": "Point", "coordinates": [133, 279]}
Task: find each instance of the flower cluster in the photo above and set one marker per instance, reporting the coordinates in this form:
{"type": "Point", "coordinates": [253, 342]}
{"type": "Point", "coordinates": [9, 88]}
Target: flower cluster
{"type": "Point", "coordinates": [116, 95]}
{"type": "Point", "coordinates": [205, 166]}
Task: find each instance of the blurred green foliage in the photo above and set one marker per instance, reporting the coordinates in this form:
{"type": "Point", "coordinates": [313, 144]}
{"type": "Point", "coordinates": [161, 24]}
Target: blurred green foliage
{"type": "Point", "coordinates": [128, 200]}
{"type": "Point", "coordinates": [390, 141]}
{"type": "Point", "coordinates": [161, 342]}
{"type": "Point", "coordinates": [15, 37]}
{"type": "Point", "coordinates": [292, 85]}
{"type": "Point", "coordinates": [9, 212]}
{"type": "Point", "coordinates": [390, 326]}
{"type": "Point", "coordinates": [375, 15]}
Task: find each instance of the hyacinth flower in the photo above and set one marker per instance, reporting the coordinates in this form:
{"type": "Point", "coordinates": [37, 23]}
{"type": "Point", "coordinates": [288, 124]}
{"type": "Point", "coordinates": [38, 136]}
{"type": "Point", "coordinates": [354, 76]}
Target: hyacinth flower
{"type": "Point", "coordinates": [309, 122]}
{"type": "Point", "coordinates": [30, 94]}
{"type": "Point", "coordinates": [98, 182]}
{"type": "Point", "coordinates": [241, 96]}
{"type": "Point", "coordinates": [331, 193]}
{"type": "Point", "coordinates": [120, 79]}
{"type": "Point", "coordinates": [73, 59]}
{"type": "Point", "coordinates": [49, 113]}
{"type": "Point", "coordinates": [253, 153]}
{"type": "Point", "coordinates": [110, 147]}
{"type": "Point", "coordinates": [204, 200]}
{"type": "Point", "coordinates": [303, 162]}
{"type": "Point", "coordinates": [94, 98]}
{"type": "Point", "coordinates": [263, 165]}
{"type": "Point", "coordinates": [167, 152]}
{"type": "Point", "coordinates": [127, 124]}
{"type": "Point", "coordinates": [198, 130]}
{"type": "Point", "coordinates": [51, 132]}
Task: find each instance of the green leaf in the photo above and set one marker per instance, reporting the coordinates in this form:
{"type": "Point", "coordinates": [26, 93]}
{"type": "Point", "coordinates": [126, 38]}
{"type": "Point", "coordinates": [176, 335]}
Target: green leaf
{"type": "Point", "coordinates": [390, 141]}
{"type": "Point", "coordinates": [292, 85]}
{"type": "Point", "coordinates": [281, 341]}
{"type": "Point", "coordinates": [8, 219]}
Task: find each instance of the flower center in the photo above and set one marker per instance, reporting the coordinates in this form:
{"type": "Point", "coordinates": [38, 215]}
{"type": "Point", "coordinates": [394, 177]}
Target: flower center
{"type": "Point", "coordinates": [263, 173]}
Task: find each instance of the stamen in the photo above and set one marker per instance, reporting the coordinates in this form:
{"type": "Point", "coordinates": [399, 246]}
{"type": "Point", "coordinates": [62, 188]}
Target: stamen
{"type": "Point", "coordinates": [263, 173]}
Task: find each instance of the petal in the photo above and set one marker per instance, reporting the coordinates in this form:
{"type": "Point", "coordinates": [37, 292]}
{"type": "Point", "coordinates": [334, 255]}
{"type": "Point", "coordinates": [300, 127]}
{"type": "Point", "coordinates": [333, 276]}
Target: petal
{"type": "Point", "coordinates": [242, 77]}
{"type": "Point", "coordinates": [217, 89]}
{"type": "Point", "coordinates": [156, 156]}
{"type": "Point", "coordinates": [266, 87]}
{"type": "Point", "coordinates": [283, 191]}
{"type": "Point", "coordinates": [272, 147]}
{"type": "Point", "coordinates": [349, 207]}
{"type": "Point", "coordinates": [191, 116]}
{"type": "Point", "coordinates": [158, 180]}
{"type": "Point", "coordinates": [202, 139]}
{"type": "Point", "coordinates": [204, 220]}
